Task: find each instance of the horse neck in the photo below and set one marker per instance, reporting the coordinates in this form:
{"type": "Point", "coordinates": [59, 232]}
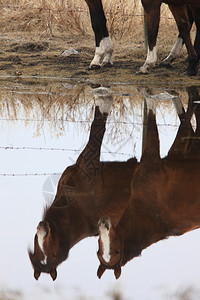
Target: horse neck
{"type": "Point", "coordinates": [90, 156]}
{"type": "Point", "coordinates": [137, 231]}
{"type": "Point", "coordinates": [154, 213]}
{"type": "Point", "coordinates": [69, 223]}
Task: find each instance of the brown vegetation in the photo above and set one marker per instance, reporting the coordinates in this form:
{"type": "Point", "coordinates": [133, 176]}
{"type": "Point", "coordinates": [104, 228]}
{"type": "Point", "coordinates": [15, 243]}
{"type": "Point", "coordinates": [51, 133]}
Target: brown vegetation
{"type": "Point", "coordinates": [34, 33]}
{"type": "Point", "coordinates": [53, 17]}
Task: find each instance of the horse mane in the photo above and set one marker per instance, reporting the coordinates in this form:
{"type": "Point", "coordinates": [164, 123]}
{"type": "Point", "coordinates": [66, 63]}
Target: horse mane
{"type": "Point", "coordinates": [60, 203]}
{"type": "Point", "coordinates": [46, 208]}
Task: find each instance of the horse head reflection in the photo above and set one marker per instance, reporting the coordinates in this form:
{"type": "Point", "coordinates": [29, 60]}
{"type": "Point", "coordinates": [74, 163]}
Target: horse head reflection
{"type": "Point", "coordinates": [164, 197]}
{"type": "Point", "coordinates": [86, 190]}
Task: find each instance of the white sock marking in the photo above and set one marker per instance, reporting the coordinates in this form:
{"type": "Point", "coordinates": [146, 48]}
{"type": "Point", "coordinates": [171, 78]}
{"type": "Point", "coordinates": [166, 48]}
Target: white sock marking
{"type": "Point", "coordinates": [151, 104]}
{"type": "Point", "coordinates": [151, 56]}
{"type": "Point", "coordinates": [105, 242]}
{"type": "Point", "coordinates": [178, 105]}
{"type": "Point", "coordinates": [103, 52]}
{"type": "Point", "coordinates": [150, 60]}
{"type": "Point", "coordinates": [175, 51]}
{"type": "Point", "coordinates": [103, 99]}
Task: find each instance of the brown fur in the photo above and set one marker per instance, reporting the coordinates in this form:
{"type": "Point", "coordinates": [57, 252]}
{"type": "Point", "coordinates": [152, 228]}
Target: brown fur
{"type": "Point", "coordinates": [179, 9]}
{"type": "Point", "coordinates": [164, 198]}
{"type": "Point", "coordinates": [86, 191]}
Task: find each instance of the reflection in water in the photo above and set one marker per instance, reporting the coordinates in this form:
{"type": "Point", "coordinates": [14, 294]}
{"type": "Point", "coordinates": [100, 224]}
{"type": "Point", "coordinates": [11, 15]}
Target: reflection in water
{"type": "Point", "coordinates": [85, 191]}
{"type": "Point", "coordinates": [164, 197]}
{"type": "Point", "coordinates": [56, 107]}
{"type": "Point", "coordinates": [90, 180]}
{"type": "Point", "coordinates": [111, 185]}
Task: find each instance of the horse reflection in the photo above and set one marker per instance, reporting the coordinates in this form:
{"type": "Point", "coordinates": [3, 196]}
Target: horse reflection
{"type": "Point", "coordinates": [164, 193]}
{"type": "Point", "coordinates": [86, 190]}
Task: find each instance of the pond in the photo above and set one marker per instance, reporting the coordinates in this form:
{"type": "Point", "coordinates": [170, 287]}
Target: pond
{"type": "Point", "coordinates": [45, 124]}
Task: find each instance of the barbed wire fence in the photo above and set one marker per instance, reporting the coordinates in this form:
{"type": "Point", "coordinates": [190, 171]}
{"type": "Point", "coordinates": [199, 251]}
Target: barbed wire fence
{"type": "Point", "coordinates": [54, 149]}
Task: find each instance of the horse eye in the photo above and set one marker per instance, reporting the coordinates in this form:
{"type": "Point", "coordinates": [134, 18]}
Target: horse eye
{"type": "Point", "coordinates": [117, 252]}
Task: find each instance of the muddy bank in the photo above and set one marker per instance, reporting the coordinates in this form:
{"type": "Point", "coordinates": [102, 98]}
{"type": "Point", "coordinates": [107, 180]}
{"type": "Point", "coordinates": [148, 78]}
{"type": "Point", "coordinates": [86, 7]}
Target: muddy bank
{"type": "Point", "coordinates": [23, 56]}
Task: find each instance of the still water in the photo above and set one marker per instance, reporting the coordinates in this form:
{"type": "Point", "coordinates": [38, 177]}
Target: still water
{"type": "Point", "coordinates": [44, 127]}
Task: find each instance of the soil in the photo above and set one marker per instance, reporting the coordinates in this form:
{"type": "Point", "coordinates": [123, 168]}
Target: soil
{"type": "Point", "coordinates": [24, 55]}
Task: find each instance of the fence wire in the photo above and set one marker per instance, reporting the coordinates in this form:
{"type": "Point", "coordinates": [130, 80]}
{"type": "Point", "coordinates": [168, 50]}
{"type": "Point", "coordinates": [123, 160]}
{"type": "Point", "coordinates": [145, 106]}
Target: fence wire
{"type": "Point", "coordinates": [58, 149]}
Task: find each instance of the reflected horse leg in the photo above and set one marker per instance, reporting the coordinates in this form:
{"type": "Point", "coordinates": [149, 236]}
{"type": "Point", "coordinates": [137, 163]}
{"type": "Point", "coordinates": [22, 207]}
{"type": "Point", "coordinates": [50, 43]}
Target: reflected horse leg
{"type": "Point", "coordinates": [88, 161]}
{"type": "Point", "coordinates": [194, 98]}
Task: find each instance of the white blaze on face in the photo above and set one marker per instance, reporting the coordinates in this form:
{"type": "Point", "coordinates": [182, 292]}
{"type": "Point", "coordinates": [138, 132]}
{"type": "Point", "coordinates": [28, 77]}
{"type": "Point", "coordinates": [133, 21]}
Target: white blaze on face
{"type": "Point", "coordinates": [41, 235]}
{"type": "Point", "coordinates": [104, 233]}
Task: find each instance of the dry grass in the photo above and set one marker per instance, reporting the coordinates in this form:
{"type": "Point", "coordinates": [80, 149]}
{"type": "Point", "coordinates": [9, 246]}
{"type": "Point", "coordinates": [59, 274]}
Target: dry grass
{"type": "Point", "coordinates": [39, 107]}
{"type": "Point", "coordinates": [9, 294]}
{"type": "Point", "coordinates": [124, 18]}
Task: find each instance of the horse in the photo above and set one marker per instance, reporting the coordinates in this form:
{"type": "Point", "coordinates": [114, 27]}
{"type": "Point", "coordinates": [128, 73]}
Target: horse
{"type": "Point", "coordinates": [176, 49]}
{"type": "Point", "coordinates": [104, 45]}
{"type": "Point", "coordinates": [180, 13]}
{"type": "Point", "coordinates": [85, 191]}
{"type": "Point", "coordinates": [164, 197]}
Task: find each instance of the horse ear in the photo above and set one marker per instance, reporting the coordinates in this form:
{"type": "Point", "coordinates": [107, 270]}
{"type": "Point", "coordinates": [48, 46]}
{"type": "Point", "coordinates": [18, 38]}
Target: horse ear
{"type": "Point", "coordinates": [100, 270]}
{"type": "Point", "coordinates": [53, 273]}
{"type": "Point", "coordinates": [117, 271]}
{"type": "Point", "coordinates": [36, 274]}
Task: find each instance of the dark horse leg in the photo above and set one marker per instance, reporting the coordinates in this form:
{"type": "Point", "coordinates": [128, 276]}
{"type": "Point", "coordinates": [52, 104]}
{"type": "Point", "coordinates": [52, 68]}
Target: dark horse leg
{"type": "Point", "coordinates": [176, 49]}
{"type": "Point", "coordinates": [88, 161]}
{"type": "Point", "coordinates": [151, 150]}
{"type": "Point", "coordinates": [196, 13]}
{"type": "Point", "coordinates": [180, 14]}
{"type": "Point", "coordinates": [152, 13]}
{"type": "Point", "coordinates": [104, 46]}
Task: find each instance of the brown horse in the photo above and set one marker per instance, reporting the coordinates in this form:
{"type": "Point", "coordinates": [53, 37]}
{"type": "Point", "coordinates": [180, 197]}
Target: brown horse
{"type": "Point", "coordinates": [104, 46]}
{"type": "Point", "coordinates": [176, 49]}
{"type": "Point", "coordinates": [164, 194]}
{"type": "Point", "coordinates": [179, 10]}
{"type": "Point", "coordinates": [86, 190]}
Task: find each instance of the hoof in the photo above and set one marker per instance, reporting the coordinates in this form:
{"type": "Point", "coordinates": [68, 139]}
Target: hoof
{"type": "Point", "coordinates": [141, 73]}
{"type": "Point", "coordinates": [164, 64]}
{"type": "Point", "coordinates": [192, 68]}
{"type": "Point", "coordinates": [107, 65]}
{"type": "Point", "coordinates": [94, 67]}
{"type": "Point", "coordinates": [190, 72]}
